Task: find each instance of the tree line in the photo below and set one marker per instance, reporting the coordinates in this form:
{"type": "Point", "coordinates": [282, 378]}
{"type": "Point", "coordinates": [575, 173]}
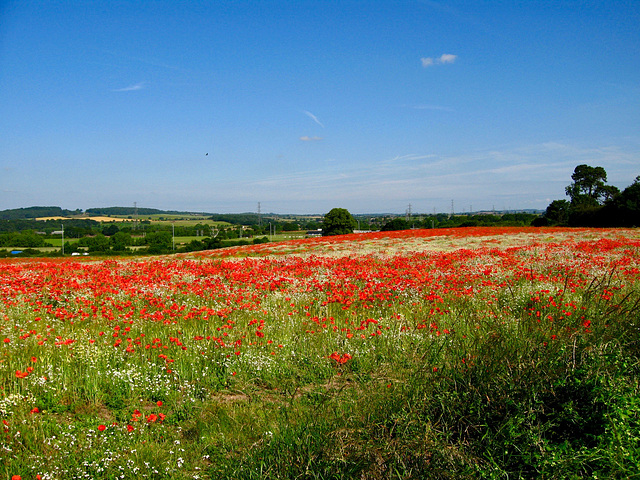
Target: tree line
{"type": "Point", "coordinates": [593, 203]}
{"type": "Point", "coordinates": [36, 212]}
{"type": "Point", "coordinates": [339, 221]}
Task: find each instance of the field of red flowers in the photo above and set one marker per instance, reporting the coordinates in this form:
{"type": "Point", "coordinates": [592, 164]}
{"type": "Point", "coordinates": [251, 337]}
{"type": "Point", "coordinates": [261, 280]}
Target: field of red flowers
{"type": "Point", "coordinates": [414, 354]}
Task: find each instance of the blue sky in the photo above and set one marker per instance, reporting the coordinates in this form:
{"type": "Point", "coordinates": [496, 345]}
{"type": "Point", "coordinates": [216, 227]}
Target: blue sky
{"type": "Point", "coordinates": [308, 105]}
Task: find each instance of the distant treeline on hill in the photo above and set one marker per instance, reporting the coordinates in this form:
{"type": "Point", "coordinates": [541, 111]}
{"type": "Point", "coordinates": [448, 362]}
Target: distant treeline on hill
{"type": "Point", "coordinates": [132, 211]}
{"type": "Point", "coordinates": [77, 226]}
{"type": "Point", "coordinates": [36, 212]}
{"type": "Point", "coordinates": [39, 212]}
{"type": "Point", "coordinates": [236, 218]}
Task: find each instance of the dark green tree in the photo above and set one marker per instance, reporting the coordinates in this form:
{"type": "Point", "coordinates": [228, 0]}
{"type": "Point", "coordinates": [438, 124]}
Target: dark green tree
{"type": "Point", "coordinates": [290, 227]}
{"type": "Point", "coordinates": [212, 243]}
{"type": "Point", "coordinates": [588, 187]}
{"type": "Point", "coordinates": [70, 248]}
{"type": "Point", "coordinates": [31, 239]}
{"type": "Point", "coordinates": [624, 209]}
{"type": "Point", "coordinates": [112, 229]}
{"type": "Point", "coordinates": [120, 240]}
{"type": "Point", "coordinates": [159, 242]}
{"type": "Point", "coordinates": [99, 243]}
{"type": "Point", "coordinates": [557, 212]}
{"type": "Point", "coordinates": [588, 194]}
{"type": "Point", "coordinates": [338, 222]}
{"type": "Point", "coordinates": [311, 225]}
{"type": "Point", "coordinates": [26, 239]}
{"type": "Point", "coordinates": [396, 224]}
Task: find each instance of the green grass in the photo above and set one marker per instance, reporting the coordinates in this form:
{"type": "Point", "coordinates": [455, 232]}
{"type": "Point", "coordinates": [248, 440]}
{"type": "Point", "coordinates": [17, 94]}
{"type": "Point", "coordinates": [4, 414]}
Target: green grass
{"type": "Point", "coordinates": [186, 239]}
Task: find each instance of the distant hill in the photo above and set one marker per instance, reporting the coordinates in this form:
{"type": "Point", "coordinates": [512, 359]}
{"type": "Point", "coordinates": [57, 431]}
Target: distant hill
{"type": "Point", "coordinates": [123, 211]}
{"type": "Point", "coordinates": [133, 210]}
{"type": "Point", "coordinates": [236, 218]}
{"type": "Point", "coordinates": [36, 212]}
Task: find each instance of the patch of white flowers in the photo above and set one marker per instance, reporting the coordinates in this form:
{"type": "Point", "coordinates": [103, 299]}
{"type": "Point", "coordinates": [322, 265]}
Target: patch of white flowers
{"type": "Point", "coordinates": [8, 403]}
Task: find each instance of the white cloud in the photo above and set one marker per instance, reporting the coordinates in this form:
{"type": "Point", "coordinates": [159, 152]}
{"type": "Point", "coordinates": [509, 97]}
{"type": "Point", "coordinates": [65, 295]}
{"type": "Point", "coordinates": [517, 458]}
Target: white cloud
{"type": "Point", "coordinates": [441, 60]}
{"type": "Point", "coordinates": [130, 88]}
{"type": "Point", "coordinates": [447, 58]}
{"type": "Point", "coordinates": [310, 139]}
{"type": "Point", "coordinates": [426, 61]}
{"type": "Point", "coordinates": [313, 117]}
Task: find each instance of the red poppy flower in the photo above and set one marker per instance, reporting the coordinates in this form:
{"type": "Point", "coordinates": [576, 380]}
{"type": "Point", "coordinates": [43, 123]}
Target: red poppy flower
{"type": "Point", "coordinates": [102, 428]}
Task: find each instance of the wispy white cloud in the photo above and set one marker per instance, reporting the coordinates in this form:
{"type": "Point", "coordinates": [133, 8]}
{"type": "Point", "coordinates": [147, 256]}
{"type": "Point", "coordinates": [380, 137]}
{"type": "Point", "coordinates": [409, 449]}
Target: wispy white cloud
{"type": "Point", "coordinates": [310, 139]}
{"type": "Point", "coordinates": [426, 61]}
{"type": "Point", "coordinates": [130, 88]}
{"type": "Point", "coordinates": [313, 117]}
{"type": "Point", "coordinates": [441, 60]}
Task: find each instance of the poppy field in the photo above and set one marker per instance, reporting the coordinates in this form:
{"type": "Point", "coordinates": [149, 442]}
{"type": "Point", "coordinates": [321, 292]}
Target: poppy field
{"type": "Point", "coordinates": [453, 353]}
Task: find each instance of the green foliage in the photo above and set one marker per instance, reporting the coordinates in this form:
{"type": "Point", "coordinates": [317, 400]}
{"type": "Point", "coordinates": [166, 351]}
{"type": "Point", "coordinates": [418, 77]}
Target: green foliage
{"type": "Point", "coordinates": [236, 218]}
{"type": "Point", "coordinates": [73, 227]}
{"type": "Point", "coordinates": [593, 203]}
{"type": "Point", "coordinates": [25, 239]}
{"type": "Point", "coordinates": [97, 243]}
{"type": "Point", "coordinates": [159, 242]}
{"type": "Point", "coordinates": [110, 230]}
{"type": "Point", "coordinates": [290, 227]}
{"type": "Point", "coordinates": [120, 240]}
{"type": "Point", "coordinates": [111, 211]}
{"type": "Point", "coordinates": [557, 212]}
{"type": "Point", "coordinates": [442, 220]}
{"type": "Point", "coordinates": [338, 222]}
{"type": "Point", "coordinates": [396, 224]}
{"type": "Point", "coordinates": [588, 187]}
{"type": "Point", "coordinates": [36, 212]}
{"type": "Point", "coordinates": [624, 209]}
